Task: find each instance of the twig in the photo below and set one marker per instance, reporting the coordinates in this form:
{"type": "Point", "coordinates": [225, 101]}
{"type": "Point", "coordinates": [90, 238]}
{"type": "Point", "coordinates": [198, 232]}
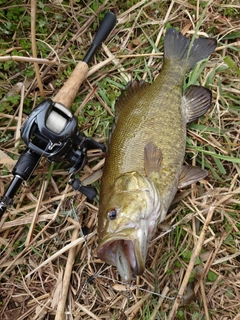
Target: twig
{"type": "Point", "coordinates": [116, 62]}
{"type": "Point", "coordinates": [206, 313]}
{"type": "Point", "coordinates": [160, 35]}
{"type": "Point", "coordinates": [85, 310]}
{"type": "Point", "coordinates": [160, 301]}
{"type": "Point", "coordinates": [194, 256]}
{"type": "Point", "coordinates": [19, 121]}
{"type": "Point", "coordinates": [35, 217]}
{"type": "Point", "coordinates": [34, 47]}
{"type": "Point", "coordinates": [62, 197]}
{"type": "Point", "coordinates": [60, 252]}
{"type": "Point", "coordinates": [132, 311]}
{"type": "Point", "coordinates": [27, 59]}
{"type": "Point", "coordinates": [75, 37]}
{"type": "Point", "coordinates": [66, 279]}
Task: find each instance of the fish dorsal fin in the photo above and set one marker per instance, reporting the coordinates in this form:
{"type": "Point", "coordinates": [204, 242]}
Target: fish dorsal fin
{"type": "Point", "coordinates": [196, 101]}
{"type": "Point", "coordinates": [152, 162]}
{"type": "Point", "coordinates": [189, 175]}
{"type": "Point", "coordinates": [132, 88]}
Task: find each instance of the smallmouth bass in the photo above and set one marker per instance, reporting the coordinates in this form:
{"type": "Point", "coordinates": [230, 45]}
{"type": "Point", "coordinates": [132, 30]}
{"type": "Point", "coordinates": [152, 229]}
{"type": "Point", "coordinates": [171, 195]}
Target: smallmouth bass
{"type": "Point", "coordinates": [144, 162]}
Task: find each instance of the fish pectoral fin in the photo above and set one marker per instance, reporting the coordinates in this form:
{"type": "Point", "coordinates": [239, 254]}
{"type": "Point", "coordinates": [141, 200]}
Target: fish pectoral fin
{"type": "Point", "coordinates": [189, 175]}
{"type": "Point", "coordinates": [196, 101]}
{"type": "Point", "coordinates": [152, 161]}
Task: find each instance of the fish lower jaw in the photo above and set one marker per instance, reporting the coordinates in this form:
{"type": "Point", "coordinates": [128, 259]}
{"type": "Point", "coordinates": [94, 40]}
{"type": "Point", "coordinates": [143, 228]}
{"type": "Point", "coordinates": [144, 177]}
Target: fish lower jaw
{"type": "Point", "coordinates": [122, 254]}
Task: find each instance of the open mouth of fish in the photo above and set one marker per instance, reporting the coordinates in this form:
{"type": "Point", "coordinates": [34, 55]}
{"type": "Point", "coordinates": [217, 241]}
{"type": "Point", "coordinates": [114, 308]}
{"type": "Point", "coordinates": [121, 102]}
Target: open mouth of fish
{"type": "Point", "coordinates": [127, 255]}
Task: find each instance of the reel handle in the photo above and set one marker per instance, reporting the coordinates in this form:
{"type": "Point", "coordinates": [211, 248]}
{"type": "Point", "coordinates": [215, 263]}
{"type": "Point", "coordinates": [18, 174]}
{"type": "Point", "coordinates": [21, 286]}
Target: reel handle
{"type": "Point", "coordinates": [89, 191]}
{"type": "Point", "coordinates": [68, 92]}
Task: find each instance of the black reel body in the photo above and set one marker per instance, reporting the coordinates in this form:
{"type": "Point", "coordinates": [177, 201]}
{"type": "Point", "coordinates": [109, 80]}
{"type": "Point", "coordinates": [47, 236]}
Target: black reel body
{"type": "Point", "coordinates": [51, 131]}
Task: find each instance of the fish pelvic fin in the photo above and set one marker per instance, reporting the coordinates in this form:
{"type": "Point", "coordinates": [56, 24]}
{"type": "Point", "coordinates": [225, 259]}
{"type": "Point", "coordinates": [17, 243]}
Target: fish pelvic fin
{"type": "Point", "coordinates": [152, 162]}
{"type": "Point", "coordinates": [190, 175]}
{"type": "Point", "coordinates": [177, 48]}
{"type": "Point", "coordinates": [196, 101]}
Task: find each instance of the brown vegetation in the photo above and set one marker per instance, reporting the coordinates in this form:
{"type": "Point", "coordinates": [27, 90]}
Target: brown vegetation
{"type": "Point", "coordinates": [48, 262]}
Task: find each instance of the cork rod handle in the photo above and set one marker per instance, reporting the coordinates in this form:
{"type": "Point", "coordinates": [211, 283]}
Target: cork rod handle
{"type": "Point", "coordinates": [68, 92]}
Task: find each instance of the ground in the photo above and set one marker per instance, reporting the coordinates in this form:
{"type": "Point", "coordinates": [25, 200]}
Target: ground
{"type": "Point", "coordinates": [48, 237]}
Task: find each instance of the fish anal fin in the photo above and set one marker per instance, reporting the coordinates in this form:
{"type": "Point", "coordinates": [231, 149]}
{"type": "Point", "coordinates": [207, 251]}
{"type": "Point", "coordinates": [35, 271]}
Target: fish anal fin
{"type": "Point", "coordinates": [196, 101]}
{"type": "Point", "coordinates": [152, 161]}
{"type": "Point", "coordinates": [132, 88]}
{"type": "Point", "coordinates": [190, 175]}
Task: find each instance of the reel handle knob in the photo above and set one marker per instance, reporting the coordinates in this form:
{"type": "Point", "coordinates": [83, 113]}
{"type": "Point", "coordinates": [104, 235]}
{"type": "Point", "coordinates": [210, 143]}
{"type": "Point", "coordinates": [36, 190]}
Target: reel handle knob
{"type": "Point", "coordinates": [88, 191]}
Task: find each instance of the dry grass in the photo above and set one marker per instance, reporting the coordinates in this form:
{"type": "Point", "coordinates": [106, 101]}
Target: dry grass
{"type": "Point", "coordinates": [49, 269]}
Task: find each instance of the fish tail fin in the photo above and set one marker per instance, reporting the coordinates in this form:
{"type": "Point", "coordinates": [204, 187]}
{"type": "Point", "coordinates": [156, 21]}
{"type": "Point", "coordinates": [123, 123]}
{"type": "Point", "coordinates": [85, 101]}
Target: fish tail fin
{"type": "Point", "coordinates": [177, 48]}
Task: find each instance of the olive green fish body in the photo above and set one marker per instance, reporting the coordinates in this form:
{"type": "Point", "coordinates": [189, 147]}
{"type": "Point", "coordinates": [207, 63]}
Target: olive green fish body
{"type": "Point", "coordinates": [144, 162]}
{"type": "Point", "coordinates": [152, 113]}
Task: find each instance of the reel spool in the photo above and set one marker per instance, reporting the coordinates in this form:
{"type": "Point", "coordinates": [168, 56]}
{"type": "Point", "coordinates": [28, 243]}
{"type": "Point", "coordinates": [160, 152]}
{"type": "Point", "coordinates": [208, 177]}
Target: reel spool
{"type": "Point", "coordinates": [50, 130]}
{"type": "Point", "coordinates": [56, 122]}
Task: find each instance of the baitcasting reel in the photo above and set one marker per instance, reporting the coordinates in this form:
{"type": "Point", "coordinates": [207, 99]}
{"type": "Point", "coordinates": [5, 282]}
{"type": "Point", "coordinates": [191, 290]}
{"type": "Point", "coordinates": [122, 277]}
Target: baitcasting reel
{"type": "Point", "coordinates": [51, 131]}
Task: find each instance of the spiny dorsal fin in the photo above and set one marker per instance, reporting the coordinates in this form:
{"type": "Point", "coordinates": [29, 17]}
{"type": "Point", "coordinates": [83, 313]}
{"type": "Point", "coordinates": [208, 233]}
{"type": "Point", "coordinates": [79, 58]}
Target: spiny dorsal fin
{"type": "Point", "coordinates": [196, 101]}
{"type": "Point", "coordinates": [132, 88]}
{"type": "Point", "coordinates": [190, 175]}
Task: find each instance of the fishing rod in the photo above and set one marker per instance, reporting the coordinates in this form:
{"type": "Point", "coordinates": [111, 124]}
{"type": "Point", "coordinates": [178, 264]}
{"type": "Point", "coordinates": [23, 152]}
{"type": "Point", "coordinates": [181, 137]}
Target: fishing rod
{"type": "Point", "coordinates": [52, 131]}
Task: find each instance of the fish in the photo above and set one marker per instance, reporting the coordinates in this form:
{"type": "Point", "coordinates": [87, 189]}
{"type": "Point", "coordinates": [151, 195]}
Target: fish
{"type": "Point", "coordinates": [144, 160]}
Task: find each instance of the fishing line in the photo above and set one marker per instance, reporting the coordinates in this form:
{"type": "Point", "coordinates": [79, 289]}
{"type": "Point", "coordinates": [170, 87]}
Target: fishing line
{"type": "Point", "coordinates": [127, 285]}
{"type": "Point", "coordinates": [164, 233]}
{"type": "Point", "coordinates": [173, 227]}
{"type": "Point", "coordinates": [91, 278]}
{"type": "Point", "coordinates": [81, 231]}
{"type": "Point", "coordinates": [139, 288]}
{"type": "Point", "coordinates": [95, 275]}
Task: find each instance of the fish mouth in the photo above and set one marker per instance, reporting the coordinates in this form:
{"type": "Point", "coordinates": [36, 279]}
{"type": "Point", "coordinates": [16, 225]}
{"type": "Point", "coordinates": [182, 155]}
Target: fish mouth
{"type": "Point", "coordinates": [127, 255]}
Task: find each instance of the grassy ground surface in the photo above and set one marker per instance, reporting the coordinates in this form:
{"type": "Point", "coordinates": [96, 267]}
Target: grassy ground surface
{"type": "Point", "coordinates": [192, 272]}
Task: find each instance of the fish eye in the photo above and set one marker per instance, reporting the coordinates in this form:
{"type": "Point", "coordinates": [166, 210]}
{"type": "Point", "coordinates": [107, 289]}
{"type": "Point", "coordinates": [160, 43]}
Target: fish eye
{"type": "Point", "coordinates": [112, 214]}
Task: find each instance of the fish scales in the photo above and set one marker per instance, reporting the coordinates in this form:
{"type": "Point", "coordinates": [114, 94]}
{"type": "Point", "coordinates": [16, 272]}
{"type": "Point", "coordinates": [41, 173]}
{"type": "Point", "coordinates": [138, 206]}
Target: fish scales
{"type": "Point", "coordinates": [144, 162]}
{"type": "Point", "coordinates": [144, 119]}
